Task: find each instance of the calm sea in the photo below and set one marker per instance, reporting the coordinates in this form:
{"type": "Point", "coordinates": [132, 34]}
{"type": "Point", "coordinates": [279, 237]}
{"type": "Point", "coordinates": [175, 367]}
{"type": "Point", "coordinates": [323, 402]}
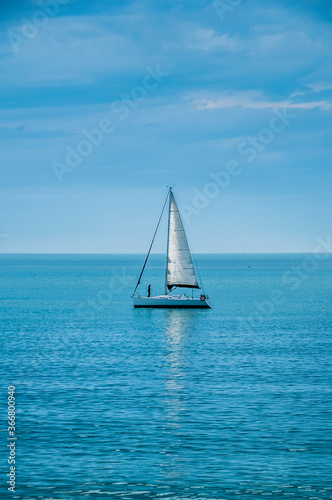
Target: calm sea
{"type": "Point", "coordinates": [113, 402]}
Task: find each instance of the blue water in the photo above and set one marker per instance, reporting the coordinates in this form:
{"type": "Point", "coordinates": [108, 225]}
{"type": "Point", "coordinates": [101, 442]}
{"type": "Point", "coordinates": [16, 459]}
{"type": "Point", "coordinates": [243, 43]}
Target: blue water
{"type": "Point", "coordinates": [113, 402]}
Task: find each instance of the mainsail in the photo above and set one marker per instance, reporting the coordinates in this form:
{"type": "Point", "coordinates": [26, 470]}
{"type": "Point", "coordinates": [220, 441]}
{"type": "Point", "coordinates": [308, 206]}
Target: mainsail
{"type": "Point", "coordinates": [180, 271]}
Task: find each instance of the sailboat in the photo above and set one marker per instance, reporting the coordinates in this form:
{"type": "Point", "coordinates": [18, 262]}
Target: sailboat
{"type": "Point", "coordinates": [180, 270]}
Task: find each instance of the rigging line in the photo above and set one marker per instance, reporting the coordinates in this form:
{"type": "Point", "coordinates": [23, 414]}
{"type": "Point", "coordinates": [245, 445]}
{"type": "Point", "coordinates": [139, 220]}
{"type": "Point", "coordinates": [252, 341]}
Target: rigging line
{"type": "Point", "coordinates": [146, 259]}
{"type": "Point", "coordinates": [198, 273]}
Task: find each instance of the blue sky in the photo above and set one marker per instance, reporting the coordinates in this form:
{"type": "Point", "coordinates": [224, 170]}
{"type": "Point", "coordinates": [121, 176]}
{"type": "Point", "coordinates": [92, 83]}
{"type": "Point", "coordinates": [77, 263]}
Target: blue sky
{"type": "Point", "coordinates": [222, 78]}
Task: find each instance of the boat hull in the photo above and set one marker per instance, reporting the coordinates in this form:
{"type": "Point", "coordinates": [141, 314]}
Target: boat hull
{"type": "Point", "coordinates": [171, 301]}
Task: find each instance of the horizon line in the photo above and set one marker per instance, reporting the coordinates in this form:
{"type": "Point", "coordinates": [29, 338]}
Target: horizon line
{"type": "Point", "coordinates": [141, 253]}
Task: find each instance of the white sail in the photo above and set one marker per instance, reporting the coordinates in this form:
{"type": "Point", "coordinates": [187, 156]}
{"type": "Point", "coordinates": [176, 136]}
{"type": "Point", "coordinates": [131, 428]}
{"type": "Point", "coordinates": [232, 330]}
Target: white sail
{"type": "Point", "coordinates": [180, 269]}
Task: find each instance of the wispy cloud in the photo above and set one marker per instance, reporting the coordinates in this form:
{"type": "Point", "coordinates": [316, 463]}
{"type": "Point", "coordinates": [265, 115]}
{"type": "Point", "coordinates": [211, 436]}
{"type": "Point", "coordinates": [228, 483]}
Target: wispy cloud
{"type": "Point", "coordinates": [194, 37]}
{"type": "Point", "coordinates": [251, 99]}
{"type": "Point", "coordinates": [73, 50]}
{"type": "Point", "coordinates": [320, 86]}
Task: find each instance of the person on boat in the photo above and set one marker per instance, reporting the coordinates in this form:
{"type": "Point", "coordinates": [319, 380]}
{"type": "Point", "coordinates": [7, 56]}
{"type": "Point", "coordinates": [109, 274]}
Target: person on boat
{"type": "Point", "coordinates": [149, 290]}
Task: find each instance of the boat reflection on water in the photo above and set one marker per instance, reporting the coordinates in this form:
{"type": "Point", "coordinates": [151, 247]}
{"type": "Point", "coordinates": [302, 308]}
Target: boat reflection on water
{"type": "Point", "coordinates": [179, 330]}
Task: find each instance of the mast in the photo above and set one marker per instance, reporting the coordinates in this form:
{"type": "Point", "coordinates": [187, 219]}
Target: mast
{"type": "Point", "coordinates": [167, 251]}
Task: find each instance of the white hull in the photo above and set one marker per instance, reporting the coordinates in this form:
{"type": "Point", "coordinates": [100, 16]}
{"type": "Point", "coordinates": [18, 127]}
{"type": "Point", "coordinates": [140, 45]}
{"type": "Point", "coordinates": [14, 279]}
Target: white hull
{"type": "Point", "coordinates": [173, 301]}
